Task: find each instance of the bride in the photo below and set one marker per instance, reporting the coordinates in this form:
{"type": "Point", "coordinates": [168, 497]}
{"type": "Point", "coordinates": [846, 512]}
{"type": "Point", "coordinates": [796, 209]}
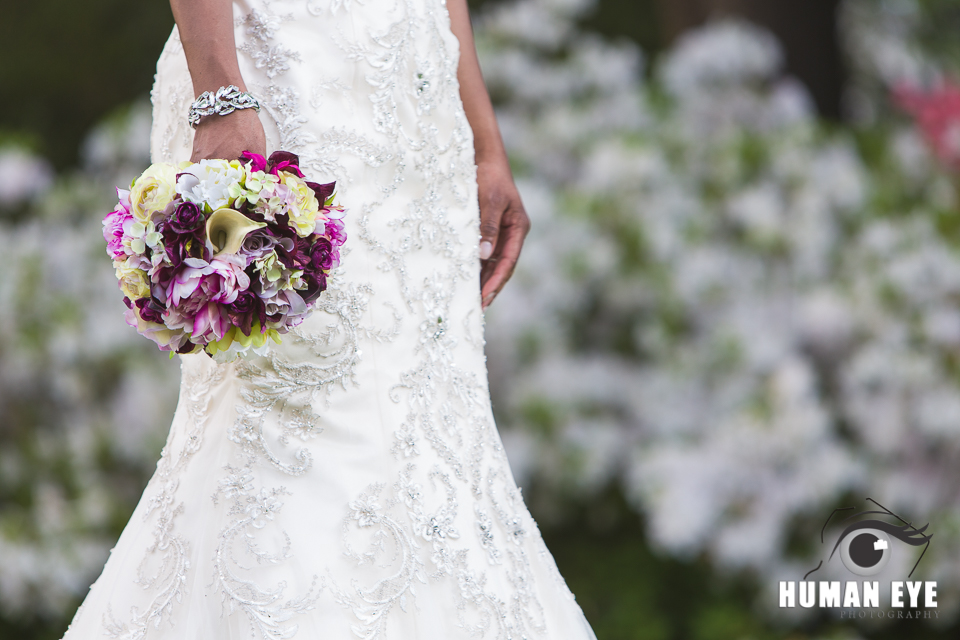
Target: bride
{"type": "Point", "coordinates": [351, 483]}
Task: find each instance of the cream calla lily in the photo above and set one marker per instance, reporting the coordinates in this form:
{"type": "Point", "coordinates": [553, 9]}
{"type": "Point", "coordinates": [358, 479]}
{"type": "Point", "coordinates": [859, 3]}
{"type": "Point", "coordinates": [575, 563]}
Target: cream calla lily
{"type": "Point", "coordinates": [227, 228]}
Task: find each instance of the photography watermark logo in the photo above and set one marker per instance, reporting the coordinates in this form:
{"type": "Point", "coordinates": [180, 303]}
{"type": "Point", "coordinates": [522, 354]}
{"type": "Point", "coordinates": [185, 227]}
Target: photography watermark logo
{"type": "Point", "coordinates": [865, 547]}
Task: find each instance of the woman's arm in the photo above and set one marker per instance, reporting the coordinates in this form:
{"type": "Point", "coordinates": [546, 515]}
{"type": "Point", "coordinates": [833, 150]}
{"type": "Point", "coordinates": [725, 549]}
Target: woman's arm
{"type": "Point", "coordinates": [206, 31]}
{"type": "Point", "coordinates": [503, 222]}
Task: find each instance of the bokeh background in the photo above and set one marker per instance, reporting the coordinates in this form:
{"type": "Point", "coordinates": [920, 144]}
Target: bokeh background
{"type": "Point", "coordinates": [738, 309]}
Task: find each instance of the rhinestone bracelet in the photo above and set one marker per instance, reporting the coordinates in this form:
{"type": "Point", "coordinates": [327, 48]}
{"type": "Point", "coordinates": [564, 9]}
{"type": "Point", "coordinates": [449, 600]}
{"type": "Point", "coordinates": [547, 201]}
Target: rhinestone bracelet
{"type": "Point", "coordinates": [226, 100]}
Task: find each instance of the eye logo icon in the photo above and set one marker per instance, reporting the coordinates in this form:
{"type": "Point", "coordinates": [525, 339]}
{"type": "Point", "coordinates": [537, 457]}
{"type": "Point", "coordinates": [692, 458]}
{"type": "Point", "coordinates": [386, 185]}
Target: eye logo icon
{"type": "Point", "coordinates": [865, 546]}
{"type": "Point", "coordinates": [864, 551]}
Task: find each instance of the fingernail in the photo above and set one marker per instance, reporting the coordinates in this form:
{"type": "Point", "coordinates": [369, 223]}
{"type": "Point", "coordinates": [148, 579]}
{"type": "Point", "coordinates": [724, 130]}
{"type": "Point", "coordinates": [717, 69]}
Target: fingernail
{"type": "Point", "coordinates": [486, 250]}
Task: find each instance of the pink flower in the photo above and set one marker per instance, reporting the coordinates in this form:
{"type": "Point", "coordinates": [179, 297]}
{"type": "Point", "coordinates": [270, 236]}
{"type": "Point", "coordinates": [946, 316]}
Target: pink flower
{"type": "Point", "coordinates": [335, 232]}
{"type": "Point", "coordinates": [257, 161]}
{"type": "Point", "coordinates": [284, 161]}
{"type": "Point", "coordinates": [937, 113]}
{"type": "Point", "coordinates": [198, 292]}
{"type": "Point", "coordinates": [187, 279]}
{"type": "Point", "coordinates": [113, 232]}
{"type": "Point", "coordinates": [211, 319]}
{"type": "Point", "coordinates": [227, 280]}
{"type": "Point", "coordinates": [181, 318]}
{"type": "Point", "coordinates": [123, 195]}
{"type": "Point", "coordinates": [166, 338]}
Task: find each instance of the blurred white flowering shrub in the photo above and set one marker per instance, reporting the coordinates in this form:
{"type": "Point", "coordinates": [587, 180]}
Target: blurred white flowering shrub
{"type": "Point", "coordinates": [25, 176]}
{"type": "Point", "coordinates": [84, 401]}
{"type": "Point", "coordinates": [739, 314]}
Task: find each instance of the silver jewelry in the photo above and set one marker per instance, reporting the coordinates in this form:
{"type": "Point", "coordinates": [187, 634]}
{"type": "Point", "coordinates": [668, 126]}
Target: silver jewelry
{"type": "Point", "coordinates": [226, 100]}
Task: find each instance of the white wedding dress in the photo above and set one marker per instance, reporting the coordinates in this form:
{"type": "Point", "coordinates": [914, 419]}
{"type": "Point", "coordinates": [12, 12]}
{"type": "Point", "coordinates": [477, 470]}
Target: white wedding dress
{"type": "Point", "coordinates": [353, 483]}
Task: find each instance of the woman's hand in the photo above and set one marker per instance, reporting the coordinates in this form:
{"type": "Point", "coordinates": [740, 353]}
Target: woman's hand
{"type": "Point", "coordinates": [228, 136]}
{"type": "Point", "coordinates": [503, 226]}
{"type": "Point", "coordinates": [503, 222]}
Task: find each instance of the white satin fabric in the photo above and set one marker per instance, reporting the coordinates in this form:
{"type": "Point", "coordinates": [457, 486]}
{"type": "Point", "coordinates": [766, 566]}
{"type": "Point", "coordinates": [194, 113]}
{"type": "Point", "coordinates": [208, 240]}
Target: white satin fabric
{"type": "Point", "coordinates": [353, 483]}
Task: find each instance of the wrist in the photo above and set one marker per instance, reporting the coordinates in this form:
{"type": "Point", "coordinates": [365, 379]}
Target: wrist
{"type": "Point", "coordinates": [496, 156]}
{"type": "Point", "coordinates": [212, 84]}
{"type": "Point", "coordinates": [494, 164]}
{"type": "Point", "coordinates": [488, 145]}
{"type": "Point", "coordinates": [239, 118]}
{"type": "Point", "coordinates": [215, 73]}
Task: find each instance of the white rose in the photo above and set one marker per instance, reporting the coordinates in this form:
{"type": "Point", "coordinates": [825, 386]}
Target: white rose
{"type": "Point", "coordinates": [209, 182]}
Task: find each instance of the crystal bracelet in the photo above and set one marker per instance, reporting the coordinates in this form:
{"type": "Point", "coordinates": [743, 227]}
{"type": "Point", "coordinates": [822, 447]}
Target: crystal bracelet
{"type": "Point", "coordinates": [226, 100]}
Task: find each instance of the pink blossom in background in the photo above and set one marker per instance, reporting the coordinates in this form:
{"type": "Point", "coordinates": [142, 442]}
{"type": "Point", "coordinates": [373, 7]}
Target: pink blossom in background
{"type": "Point", "coordinates": [937, 113]}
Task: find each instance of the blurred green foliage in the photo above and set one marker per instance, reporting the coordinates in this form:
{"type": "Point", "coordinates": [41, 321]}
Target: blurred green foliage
{"type": "Point", "coordinates": [637, 20]}
{"type": "Point", "coordinates": [66, 64]}
{"type": "Point", "coordinates": [939, 25]}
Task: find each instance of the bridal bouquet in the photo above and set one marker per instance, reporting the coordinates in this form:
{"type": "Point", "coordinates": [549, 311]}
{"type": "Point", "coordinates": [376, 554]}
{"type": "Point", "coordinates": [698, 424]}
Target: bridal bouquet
{"type": "Point", "coordinates": [220, 256]}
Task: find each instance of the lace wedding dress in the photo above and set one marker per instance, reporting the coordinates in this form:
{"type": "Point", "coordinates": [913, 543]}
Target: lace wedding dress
{"type": "Point", "coordinates": [352, 483]}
